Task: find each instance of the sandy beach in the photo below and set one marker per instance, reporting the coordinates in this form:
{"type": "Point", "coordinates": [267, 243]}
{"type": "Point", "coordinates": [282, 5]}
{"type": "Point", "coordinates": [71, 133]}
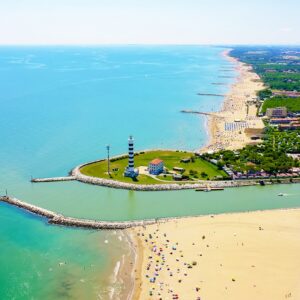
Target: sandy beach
{"type": "Point", "coordinates": [232, 127]}
{"type": "Point", "coordinates": [236, 256]}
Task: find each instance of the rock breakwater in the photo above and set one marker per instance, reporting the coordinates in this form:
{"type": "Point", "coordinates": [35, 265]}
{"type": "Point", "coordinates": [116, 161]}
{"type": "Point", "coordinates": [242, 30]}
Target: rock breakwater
{"type": "Point", "coordinates": [55, 218]}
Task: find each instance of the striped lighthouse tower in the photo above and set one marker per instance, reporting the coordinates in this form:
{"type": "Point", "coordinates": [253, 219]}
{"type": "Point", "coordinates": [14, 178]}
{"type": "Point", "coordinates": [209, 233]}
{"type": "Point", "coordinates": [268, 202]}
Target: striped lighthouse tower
{"type": "Point", "coordinates": [130, 167]}
{"type": "Point", "coordinates": [130, 171]}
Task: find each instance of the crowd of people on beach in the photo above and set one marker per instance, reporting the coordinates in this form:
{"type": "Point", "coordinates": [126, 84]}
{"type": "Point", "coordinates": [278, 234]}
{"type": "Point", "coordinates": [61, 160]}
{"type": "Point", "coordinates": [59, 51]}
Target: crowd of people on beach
{"type": "Point", "coordinates": [239, 112]}
{"type": "Point", "coordinates": [161, 248]}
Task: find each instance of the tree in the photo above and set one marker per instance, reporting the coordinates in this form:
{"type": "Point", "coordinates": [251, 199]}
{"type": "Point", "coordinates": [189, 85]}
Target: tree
{"type": "Point", "coordinates": [220, 164]}
{"type": "Point", "coordinates": [203, 174]}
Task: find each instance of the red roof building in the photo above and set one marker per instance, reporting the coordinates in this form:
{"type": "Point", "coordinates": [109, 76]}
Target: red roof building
{"type": "Point", "coordinates": [156, 166]}
{"type": "Point", "coordinates": [156, 161]}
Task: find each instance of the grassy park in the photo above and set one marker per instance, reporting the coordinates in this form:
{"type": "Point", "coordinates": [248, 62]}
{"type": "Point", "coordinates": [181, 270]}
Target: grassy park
{"type": "Point", "coordinates": [195, 169]}
{"type": "Point", "coordinates": [292, 104]}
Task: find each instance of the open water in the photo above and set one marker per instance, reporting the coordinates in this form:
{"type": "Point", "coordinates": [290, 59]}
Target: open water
{"type": "Point", "coordinates": [60, 106]}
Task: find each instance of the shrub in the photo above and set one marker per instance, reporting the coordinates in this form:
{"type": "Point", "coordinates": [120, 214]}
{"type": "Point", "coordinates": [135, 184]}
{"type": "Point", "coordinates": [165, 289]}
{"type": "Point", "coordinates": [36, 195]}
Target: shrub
{"type": "Point", "coordinates": [203, 174]}
{"type": "Point", "coordinates": [193, 172]}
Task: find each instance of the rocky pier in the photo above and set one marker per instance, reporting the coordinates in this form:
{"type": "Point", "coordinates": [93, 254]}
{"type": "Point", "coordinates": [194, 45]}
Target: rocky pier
{"type": "Point", "coordinates": [59, 219]}
{"type": "Point", "coordinates": [53, 179]}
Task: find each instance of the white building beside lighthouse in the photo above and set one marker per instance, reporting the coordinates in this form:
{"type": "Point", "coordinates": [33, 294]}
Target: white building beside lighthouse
{"type": "Point", "coordinates": [130, 171]}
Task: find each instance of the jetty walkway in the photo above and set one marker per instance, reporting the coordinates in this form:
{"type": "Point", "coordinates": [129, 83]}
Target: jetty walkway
{"type": "Point", "coordinates": [55, 218]}
{"type": "Point", "coordinates": [188, 111]}
{"type": "Point", "coordinates": [214, 95]}
{"type": "Point", "coordinates": [54, 179]}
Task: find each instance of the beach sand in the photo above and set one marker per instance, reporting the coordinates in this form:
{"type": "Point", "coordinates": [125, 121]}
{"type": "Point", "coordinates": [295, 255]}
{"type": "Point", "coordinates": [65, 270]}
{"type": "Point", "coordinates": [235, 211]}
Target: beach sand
{"type": "Point", "coordinates": [237, 256]}
{"type": "Point", "coordinates": [228, 127]}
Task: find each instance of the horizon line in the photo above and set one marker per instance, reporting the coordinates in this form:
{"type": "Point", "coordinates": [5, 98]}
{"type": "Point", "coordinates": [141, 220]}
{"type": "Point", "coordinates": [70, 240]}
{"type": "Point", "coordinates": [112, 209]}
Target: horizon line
{"type": "Point", "coordinates": [149, 44]}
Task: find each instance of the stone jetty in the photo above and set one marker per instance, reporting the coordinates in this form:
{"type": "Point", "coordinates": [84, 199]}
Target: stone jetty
{"type": "Point", "coordinates": [214, 95]}
{"type": "Point", "coordinates": [53, 179]}
{"type": "Point", "coordinates": [55, 218]}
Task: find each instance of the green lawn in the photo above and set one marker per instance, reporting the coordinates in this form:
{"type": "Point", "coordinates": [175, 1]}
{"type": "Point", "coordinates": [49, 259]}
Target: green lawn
{"type": "Point", "coordinates": [171, 159]}
{"type": "Point", "coordinates": [292, 104]}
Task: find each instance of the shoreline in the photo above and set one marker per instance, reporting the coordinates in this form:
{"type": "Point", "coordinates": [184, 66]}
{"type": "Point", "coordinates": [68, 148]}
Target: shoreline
{"type": "Point", "coordinates": [217, 238]}
{"type": "Point", "coordinates": [125, 274]}
{"type": "Point", "coordinates": [232, 108]}
{"type": "Point", "coordinates": [238, 107]}
{"type": "Point", "coordinates": [137, 266]}
{"type": "Point", "coordinates": [134, 283]}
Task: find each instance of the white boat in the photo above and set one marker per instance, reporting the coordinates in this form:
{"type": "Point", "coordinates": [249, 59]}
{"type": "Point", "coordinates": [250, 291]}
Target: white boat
{"type": "Point", "coordinates": [280, 194]}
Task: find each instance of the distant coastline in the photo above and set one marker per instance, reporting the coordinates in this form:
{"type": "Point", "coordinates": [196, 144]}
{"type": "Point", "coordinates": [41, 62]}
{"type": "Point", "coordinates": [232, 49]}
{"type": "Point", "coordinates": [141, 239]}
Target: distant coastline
{"type": "Point", "coordinates": [238, 105]}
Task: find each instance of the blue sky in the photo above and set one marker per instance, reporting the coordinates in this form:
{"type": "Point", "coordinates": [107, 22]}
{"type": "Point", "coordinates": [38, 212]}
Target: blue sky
{"type": "Point", "coordinates": [149, 22]}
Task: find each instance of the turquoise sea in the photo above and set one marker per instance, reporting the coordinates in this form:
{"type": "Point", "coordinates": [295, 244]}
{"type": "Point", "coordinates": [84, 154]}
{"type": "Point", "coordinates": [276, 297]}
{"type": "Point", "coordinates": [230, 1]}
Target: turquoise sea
{"type": "Point", "coordinates": [60, 106]}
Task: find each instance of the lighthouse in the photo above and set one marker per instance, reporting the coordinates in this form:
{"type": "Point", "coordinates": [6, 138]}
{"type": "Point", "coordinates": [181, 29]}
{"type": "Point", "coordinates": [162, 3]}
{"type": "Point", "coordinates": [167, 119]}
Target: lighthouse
{"type": "Point", "coordinates": [130, 171]}
{"type": "Point", "coordinates": [130, 167]}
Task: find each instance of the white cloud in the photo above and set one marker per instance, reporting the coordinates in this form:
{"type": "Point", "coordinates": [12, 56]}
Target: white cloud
{"type": "Point", "coordinates": [286, 29]}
